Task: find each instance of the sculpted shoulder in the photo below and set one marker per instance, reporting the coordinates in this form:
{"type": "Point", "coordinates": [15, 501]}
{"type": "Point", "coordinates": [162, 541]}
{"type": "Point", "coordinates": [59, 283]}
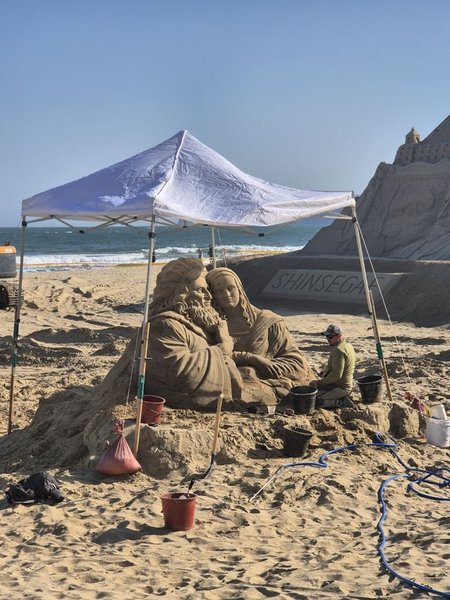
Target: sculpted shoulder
{"type": "Point", "coordinates": [173, 320]}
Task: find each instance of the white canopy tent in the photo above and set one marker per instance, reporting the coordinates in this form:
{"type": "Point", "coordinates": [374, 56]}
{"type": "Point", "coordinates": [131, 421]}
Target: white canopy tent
{"type": "Point", "coordinates": [178, 182]}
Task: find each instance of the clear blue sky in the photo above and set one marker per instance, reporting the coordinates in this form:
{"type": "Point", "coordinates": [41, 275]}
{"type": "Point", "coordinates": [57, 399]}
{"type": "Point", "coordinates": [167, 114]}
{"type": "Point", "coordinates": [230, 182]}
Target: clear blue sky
{"type": "Point", "coordinates": [307, 93]}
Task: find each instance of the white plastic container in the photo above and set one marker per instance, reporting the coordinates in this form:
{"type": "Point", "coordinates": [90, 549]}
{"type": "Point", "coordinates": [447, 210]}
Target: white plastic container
{"type": "Point", "coordinates": [437, 432]}
{"type": "Point", "coordinates": [438, 411]}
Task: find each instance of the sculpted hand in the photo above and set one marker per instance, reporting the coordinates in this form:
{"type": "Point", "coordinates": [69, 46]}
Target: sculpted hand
{"type": "Point", "coordinates": [222, 331]}
{"type": "Point", "coordinates": [225, 341]}
{"type": "Point", "coordinates": [264, 366]}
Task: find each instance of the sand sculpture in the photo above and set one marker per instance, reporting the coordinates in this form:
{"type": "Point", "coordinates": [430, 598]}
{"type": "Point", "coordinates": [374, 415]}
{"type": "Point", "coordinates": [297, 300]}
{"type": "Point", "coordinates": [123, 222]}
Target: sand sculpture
{"type": "Point", "coordinates": [263, 347]}
{"type": "Point", "coordinates": [405, 210]}
{"type": "Point", "coordinates": [189, 358]}
{"type": "Point", "coordinates": [192, 357]}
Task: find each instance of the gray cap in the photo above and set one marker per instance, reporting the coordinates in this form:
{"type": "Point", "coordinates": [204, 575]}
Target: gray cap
{"type": "Point", "coordinates": [332, 330]}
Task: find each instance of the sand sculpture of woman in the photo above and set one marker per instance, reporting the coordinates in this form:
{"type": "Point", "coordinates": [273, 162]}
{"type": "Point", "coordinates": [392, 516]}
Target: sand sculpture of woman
{"type": "Point", "coordinates": [262, 340]}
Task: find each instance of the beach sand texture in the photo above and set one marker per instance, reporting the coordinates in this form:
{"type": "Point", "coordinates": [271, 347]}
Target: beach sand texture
{"type": "Point", "coordinates": [310, 534]}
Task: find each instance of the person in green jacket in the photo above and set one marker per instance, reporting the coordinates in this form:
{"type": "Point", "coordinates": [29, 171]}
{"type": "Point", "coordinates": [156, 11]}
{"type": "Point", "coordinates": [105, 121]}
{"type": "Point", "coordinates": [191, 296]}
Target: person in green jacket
{"type": "Point", "coordinates": [336, 382]}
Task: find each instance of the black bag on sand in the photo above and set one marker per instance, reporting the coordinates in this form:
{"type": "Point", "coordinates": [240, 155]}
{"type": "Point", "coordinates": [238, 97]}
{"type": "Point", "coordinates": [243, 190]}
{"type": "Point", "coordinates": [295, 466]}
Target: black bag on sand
{"type": "Point", "coordinates": [35, 488]}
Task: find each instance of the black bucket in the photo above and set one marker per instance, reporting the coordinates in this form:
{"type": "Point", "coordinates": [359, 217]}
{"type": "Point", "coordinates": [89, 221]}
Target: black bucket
{"type": "Point", "coordinates": [296, 441]}
{"type": "Point", "coordinates": [370, 388]}
{"type": "Point", "coordinates": [303, 399]}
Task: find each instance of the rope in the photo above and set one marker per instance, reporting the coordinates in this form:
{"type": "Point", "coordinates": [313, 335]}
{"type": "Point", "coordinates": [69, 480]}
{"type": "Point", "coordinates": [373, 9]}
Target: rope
{"type": "Point", "coordinates": [443, 481]}
{"type": "Point", "coordinates": [399, 348]}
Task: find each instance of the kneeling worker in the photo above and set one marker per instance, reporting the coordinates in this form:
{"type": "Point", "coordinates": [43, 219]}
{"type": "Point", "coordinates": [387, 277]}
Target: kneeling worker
{"type": "Point", "coordinates": [336, 381]}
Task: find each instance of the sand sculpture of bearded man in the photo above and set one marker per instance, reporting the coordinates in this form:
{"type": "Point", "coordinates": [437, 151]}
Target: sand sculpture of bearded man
{"type": "Point", "coordinates": [190, 350]}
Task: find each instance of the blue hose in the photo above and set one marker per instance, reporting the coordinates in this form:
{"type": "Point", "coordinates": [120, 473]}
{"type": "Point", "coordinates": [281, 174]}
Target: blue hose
{"type": "Point", "coordinates": [430, 477]}
{"type": "Point", "coordinates": [382, 544]}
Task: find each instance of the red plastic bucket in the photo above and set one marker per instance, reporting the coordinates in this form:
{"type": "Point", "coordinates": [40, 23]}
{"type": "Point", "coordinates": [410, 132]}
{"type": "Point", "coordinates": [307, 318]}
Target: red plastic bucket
{"type": "Point", "coordinates": [179, 510]}
{"type": "Point", "coordinates": [152, 407]}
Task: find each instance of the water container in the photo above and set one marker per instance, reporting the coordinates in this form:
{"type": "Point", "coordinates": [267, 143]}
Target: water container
{"type": "Point", "coordinates": [438, 411]}
{"type": "Point", "coordinates": [8, 266]}
{"type": "Point", "coordinates": [303, 398]}
{"type": "Point", "coordinates": [178, 511]}
{"type": "Point", "coordinates": [296, 441]}
{"type": "Point", "coordinates": [371, 388]}
{"type": "Point", "coordinates": [152, 407]}
{"type": "Point", "coordinates": [437, 432]}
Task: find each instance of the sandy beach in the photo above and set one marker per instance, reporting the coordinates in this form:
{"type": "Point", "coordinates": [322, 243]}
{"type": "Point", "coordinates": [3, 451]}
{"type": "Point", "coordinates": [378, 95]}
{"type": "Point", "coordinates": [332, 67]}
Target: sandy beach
{"type": "Point", "coordinates": [310, 534]}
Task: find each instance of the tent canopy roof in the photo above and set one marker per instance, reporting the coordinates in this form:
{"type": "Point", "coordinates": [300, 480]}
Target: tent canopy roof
{"type": "Point", "coordinates": [181, 181]}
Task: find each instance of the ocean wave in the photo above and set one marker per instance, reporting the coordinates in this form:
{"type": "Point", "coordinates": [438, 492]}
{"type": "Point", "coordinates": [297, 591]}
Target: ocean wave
{"type": "Point", "coordinates": [164, 254]}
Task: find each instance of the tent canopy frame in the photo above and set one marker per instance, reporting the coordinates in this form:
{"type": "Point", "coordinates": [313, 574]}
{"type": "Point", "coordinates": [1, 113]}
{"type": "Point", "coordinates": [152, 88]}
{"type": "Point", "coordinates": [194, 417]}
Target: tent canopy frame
{"type": "Point", "coordinates": [185, 161]}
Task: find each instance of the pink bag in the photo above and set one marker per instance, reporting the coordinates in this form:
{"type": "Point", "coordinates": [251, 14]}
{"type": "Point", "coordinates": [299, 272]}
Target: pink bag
{"type": "Point", "coordinates": [118, 459]}
{"type": "Point", "coordinates": [417, 404]}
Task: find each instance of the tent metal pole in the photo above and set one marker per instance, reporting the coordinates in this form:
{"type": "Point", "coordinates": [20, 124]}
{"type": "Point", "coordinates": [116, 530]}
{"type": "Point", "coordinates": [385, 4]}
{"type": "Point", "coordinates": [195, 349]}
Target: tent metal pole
{"type": "Point", "coordinates": [145, 333]}
{"type": "Point", "coordinates": [15, 337]}
{"type": "Point", "coordinates": [371, 305]}
{"type": "Point", "coordinates": [361, 261]}
{"type": "Point", "coordinates": [140, 394]}
{"type": "Point", "coordinates": [213, 248]}
{"type": "Point", "coordinates": [151, 249]}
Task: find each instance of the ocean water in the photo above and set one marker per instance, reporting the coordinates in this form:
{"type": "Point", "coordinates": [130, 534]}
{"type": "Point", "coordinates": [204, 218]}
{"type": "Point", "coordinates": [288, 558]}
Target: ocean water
{"type": "Point", "coordinates": [55, 248]}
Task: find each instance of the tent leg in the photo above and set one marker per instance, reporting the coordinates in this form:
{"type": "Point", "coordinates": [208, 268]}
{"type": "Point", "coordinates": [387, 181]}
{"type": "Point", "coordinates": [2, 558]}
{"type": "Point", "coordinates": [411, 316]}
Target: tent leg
{"type": "Point", "coordinates": [140, 394]}
{"type": "Point", "coordinates": [370, 304]}
{"type": "Point", "coordinates": [213, 249]}
{"type": "Point", "coordinates": [151, 249]}
{"type": "Point", "coordinates": [144, 337]}
{"type": "Point", "coordinates": [15, 337]}
{"type": "Point", "coordinates": [361, 261]}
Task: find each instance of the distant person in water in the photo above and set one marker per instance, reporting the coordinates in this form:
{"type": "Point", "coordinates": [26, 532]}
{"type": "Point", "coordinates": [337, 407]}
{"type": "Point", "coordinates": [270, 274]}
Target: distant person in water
{"type": "Point", "coordinates": [261, 338]}
{"type": "Point", "coordinates": [336, 381]}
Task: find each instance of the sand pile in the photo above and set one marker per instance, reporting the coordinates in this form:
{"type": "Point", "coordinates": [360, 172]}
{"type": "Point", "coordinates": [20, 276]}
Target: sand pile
{"type": "Point", "coordinates": [403, 213]}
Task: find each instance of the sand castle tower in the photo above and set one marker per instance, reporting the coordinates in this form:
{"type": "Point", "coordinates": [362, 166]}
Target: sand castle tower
{"type": "Point", "coordinates": [432, 149]}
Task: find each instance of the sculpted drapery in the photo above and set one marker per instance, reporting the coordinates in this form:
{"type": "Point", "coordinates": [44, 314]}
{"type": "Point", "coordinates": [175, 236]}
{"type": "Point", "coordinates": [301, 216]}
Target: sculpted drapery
{"type": "Point", "coordinates": [261, 338]}
{"type": "Point", "coordinates": [184, 365]}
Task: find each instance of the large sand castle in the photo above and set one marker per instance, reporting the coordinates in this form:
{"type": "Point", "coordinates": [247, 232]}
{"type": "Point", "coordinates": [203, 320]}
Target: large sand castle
{"type": "Point", "coordinates": [405, 210]}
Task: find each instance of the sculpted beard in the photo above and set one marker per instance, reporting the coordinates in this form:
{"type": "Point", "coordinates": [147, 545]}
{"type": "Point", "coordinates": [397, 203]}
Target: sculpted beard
{"type": "Point", "coordinates": [203, 316]}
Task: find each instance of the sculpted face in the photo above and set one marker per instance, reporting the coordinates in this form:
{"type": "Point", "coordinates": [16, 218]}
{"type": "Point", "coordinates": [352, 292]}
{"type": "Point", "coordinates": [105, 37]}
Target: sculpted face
{"type": "Point", "coordinates": [226, 293]}
{"type": "Point", "coordinates": [199, 308]}
{"type": "Point", "coordinates": [198, 292]}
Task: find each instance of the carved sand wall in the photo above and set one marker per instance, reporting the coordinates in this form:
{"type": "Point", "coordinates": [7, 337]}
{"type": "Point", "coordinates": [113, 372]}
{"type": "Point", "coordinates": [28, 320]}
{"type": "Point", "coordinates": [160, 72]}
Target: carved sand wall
{"type": "Point", "coordinates": [404, 212]}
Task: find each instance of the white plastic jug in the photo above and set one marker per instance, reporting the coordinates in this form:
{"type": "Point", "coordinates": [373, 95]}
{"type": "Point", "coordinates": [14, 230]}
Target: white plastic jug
{"type": "Point", "coordinates": [438, 411]}
{"type": "Point", "coordinates": [437, 432]}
